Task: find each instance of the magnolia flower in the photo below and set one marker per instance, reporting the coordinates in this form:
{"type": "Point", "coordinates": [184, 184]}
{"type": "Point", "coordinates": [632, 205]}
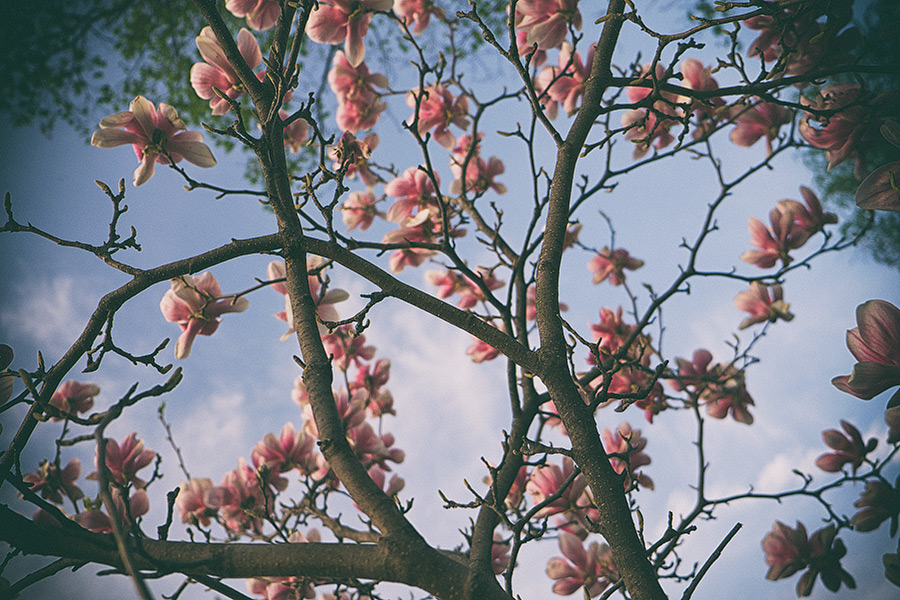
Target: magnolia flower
{"type": "Point", "coordinates": [52, 482]}
{"type": "Point", "coordinates": [611, 264]}
{"type": "Point", "coordinates": [325, 300]}
{"type": "Point", "coordinates": [296, 133]}
{"type": "Point", "coordinates": [353, 155]}
{"type": "Point", "coordinates": [260, 14]}
{"type": "Point", "coordinates": [217, 72]}
{"type": "Point", "coordinates": [625, 448]}
{"type": "Point", "coordinates": [156, 136]}
{"type": "Point", "coordinates": [417, 12]}
{"type": "Point", "coordinates": [99, 521]}
{"type": "Point", "coordinates": [481, 351]}
{"type": "Point", "coordinates": [875, 343]}
{"type": "Point", "coordinates": [124, 460]}
{"type": "Point", "coordinates": [788, 550]}
{"type": "Point", "coordinates": [565, 83]}
{"type": "Point", "coordinates": [198, 500]}
{"type": "Point", "coordinates": [762, 306]}
{"type": "Point", "coordinates": [336, 21]}
{"type": "Point", "coordinates": [878, 503]}
{"type": "Point", "coordinates": [848, 449]}
{"type": "Point", "coordinates": [359, 210]}
{"type": "Point", "coordinates": [438, 109]}
{"type": "Point", "coordinates": [546, 22]}
{"type": "Point", "coordinates": [592, 570]}
{"type": "Point", "coordinates": [74, 397]}
{"type": "Point", "coordinates": [546, 481]}
{"type": "Point", "coordinates": [761, 120]}
{"type": "Point", "coordinates": [196, 303]}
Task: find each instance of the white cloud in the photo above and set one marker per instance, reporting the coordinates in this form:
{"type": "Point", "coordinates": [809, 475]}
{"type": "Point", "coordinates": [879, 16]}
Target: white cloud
{"type": "Point", "coordinates": [50, 312]}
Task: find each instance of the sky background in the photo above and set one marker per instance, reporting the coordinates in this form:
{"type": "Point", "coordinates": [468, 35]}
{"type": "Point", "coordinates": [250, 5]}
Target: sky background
{"type": "Point", "coordinates": [451, 411]}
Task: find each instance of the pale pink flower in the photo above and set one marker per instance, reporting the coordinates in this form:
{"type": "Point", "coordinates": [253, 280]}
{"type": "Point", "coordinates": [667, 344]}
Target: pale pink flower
{"type": "Point", "coordinates": [727, 394]}
{"type": "Point", "coordinates": [848, 449]}
{"type": "Point", "coordinates": [548, 480]}
{"type": "Point", "coordinates": [625, 448]}
{"type": "Point", "coordinates": [296, 133]}
{"type": "Point", "coordinates": [763, 119]}
{"type": "Point", "coordinates": [290, 450]}
{"type": "Point", "coordinates": [394, 486]}
{"type": "Point", "coordinates": [350, 408]}
{"type": "Point", "coordinates": [152, 134]}
{"type": "Point", "coordinates": [99, 521]}
{"type": "Point", "coordinates": [196, 303]}
{"type": "Point", "coordinates": [260, 14]}
{"type": "Point", "coordinates": [217, 72]}
{"type": "Point", "coordinates": [198, 501]}
{"type": "Point", "coordinates": [438, 109]}
{"type": "Point", "coordinates": [481, 351]}
{"type": "Point", "coordinates": [479, 174]}
{"type": "Point", "coordinates": [243, 500]}
{"type": "Point", "coordinates": [787, 550]}
{"type": "Point", "coordinates": [592, 569]}
{"type": "Point", "coordinates": [611, 264]}
{"type": "Point", "coordinates": [372, 448]}
{"type": "Point", "coordinates": [52, 482]}
{"type": "Point", "coordinates": [359, 210]}
{"type": "Point", "coordinates": [355, 115]}
{"type": "Point", "coordinates": [324, 299]}
{"type": "Point", "coordinates": [449, 283]}
{"type": "Point", "coordinates": [611, 332]}
{"type": "Point", "coordinates": [570, 76]}
{"type": "Point", "coordinates": [74, 397]}
{"type": "Point", "coordinates": [810, 218]}
{"type": "Point", "coordinates": [878, 503]}
{"type": "Point", "coordinates": [353, 155]}
{"type": "Point", "coordinates": [650, 127]}
{"type": "Point", "coordinates": [875, 343]}
{"type": "Point", "coordinates": [417, 12]}
{"type": "Point", "coordinates": [336, 21]}
{"type": "Point", "coordinates": [856, 121]}
{"type": "Point", "coordinates": [761, 305]}
{"type": "Point", "coordinates": [547, 21]}
{"type": "Point", "coordinates": [344, 346]}
{"type": "Point", "coordinates": [692, 373]}
{"type": "Point", "coordinates": [538, 57]}
{"type": "Point", "coordinates": [124, 460]}
{"type": "Point", "coordinates": [697, 77]}
{"type": "Point", "coordinates": [354, 82]}
{"type": "Point", "coordinates": [414, 191]}
{"type": "Point", "coordinates": [774, 242]}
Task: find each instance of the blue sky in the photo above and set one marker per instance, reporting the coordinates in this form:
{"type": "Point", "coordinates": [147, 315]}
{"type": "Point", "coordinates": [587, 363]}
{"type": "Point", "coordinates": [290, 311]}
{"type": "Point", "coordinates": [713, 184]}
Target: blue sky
{"type": "Point", "coordinates": [450, 411]}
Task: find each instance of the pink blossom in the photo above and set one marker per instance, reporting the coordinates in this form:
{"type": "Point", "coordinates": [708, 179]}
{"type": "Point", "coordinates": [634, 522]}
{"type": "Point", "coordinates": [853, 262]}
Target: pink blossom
{"type": "Point", "coordinates": [592, 570]}
{"type": "Point", "coordinates": [359, 210]}
{"type": "Point", "coordinates": [649, 127]}
{"type": "Point", "coordinates": [625, 448]}
{"type": "Point", "coordinates": [438, 109]}
{"type": "Point", "coordinates": [479, 174]}
{"type": "Point", "coordinates": [538, 57]}
{"type": "Point", "coordinates": [810, 218]}
{"type": "Point", "coordinates": [763, 119]}
{"type": "Point", "coordinates": [153, 134]}
{"type": "Point", "coordinates": [324, 298]}
{"type": "Point", "coordinates": [611, 264]}
{"type": "Point", "coordinates": [697, 77]}
{"type": "Point", "coordinates": [99, 521]}
{"type": "Point", "coordinates": [848, 449]}
{"type": "Point", "coordinates": [787, 550]}
{"type": "Point", "coordinates": [198, 500]}
{"type": "Point", "coordinates": [547, 21]}
{"type": "Point", "coordinates": [856, 121]}
{"type": "Point", "coordinates": [196, 303]}
{"type": "Point", "coordinates": [546, 481]}
{"type": "Point", "coordinates": [336, 21]}
{"type": "Point", "coordinates": [296, 133]}
{"type": "Point", "coordinates": [414, 191]}
{"type": "Point", "coordinates": [217, 72]}
{"type": "Point", "coordinates": [774, 242]}
{"type": "Point", "coordinates": [449, 283]}
{"type": "Point", "coordinates": [291, 450]}
{"type": "Point", "coordinates": [358, 104]}
{"type": "Point", "coordinates": [351, 409]}
{"type": "Point", "coordinates": [761, 305]}
{"type": "Point", "coordinates": [353, 155]}
{"type": "Point", "coordinates": [692, 373]}
{"type": "Point", "coordinates": [372, 448]}
{"type": "Point", "coordinates": [394, 486]}
{"type": "Point", "coordinates": [611, 332]}
{"type": "Point", "coordinates": [570, 76]}
{"type": "Point", "coordinates": [875, 343]}
{"type": "Point", "coordinates": [260, 14]}
{"type": "Point", "coordinates": [124, 460]}
{"type": "Point", "coordinates": [74, 397]}
{"type": "Point", "coordinates": [344, 346]}
{"type": "Point", "coordinates": [243, 500]}
{"type": "Point", "coordinates": [355, 115]}
{"type": "Point", "coordinates": [878, 503]}
{"type": "Point", "coordinates": [727, 394]}
{"type": "Point", "coordinates": [481, 351]}
{"type": "Point", "coordinates": [417, 12]}
{"type": "Point", "coordinates": [52, 482]}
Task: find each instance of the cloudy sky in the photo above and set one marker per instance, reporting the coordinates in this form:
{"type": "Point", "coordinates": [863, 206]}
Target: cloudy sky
{"type": "Point", "coordinates": [450, 411]}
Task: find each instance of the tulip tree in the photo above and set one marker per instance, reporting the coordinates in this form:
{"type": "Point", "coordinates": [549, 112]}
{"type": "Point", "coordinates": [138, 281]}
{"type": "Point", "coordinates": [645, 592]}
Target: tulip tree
{"type": "Point", "coordinates": [318, 510]}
